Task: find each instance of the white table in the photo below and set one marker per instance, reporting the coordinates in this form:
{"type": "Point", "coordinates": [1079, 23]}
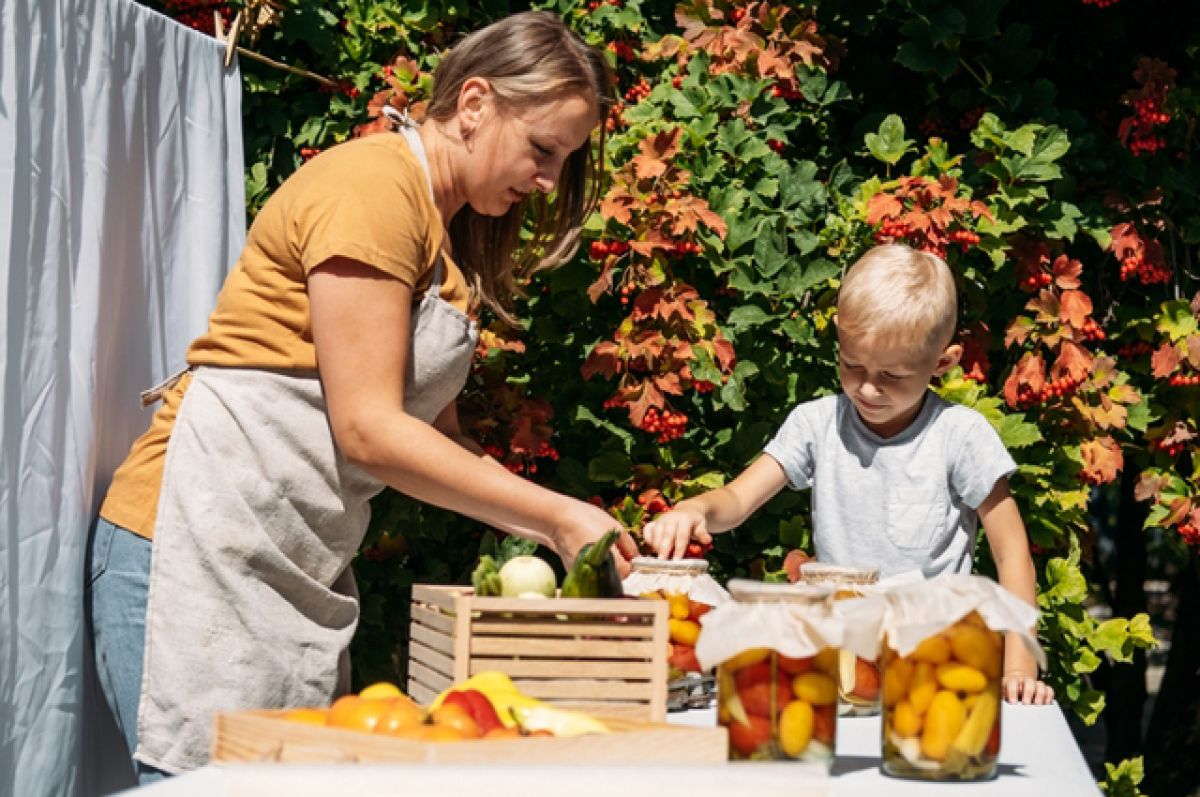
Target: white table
{"type": "Point", "coordinates": [1038, 757]}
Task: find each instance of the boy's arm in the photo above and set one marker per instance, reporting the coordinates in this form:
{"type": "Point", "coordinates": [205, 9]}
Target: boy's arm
{"type": "Point", "coordinates": [699, 517]}
{"type": "Point", "coordinates": [1010, 549]}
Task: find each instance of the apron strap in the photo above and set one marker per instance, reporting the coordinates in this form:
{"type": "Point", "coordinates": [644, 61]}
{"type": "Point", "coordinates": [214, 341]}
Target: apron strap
{"type": "Point", "coordinates": [151, 395]}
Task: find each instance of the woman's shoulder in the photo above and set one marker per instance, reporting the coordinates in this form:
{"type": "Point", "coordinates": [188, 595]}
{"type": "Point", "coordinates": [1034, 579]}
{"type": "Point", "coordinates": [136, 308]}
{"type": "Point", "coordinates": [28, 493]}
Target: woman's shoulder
{"type": "Point", "coordinates": [377, 163]}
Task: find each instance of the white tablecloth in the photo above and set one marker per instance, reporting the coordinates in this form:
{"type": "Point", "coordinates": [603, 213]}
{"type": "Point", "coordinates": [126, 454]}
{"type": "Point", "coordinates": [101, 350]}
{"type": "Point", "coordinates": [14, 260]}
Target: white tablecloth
{"type": "Point", "coordinates": [1038, 757]}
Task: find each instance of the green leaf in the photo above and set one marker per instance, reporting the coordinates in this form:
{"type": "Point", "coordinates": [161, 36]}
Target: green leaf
{"type": "Point", "coordinates": [794, 532]}
{"type": "Point", "coordinates": [770, 249]}
{"type": "Point", "coordinates": [748, 315]}
{"type": "Point", "coordinates": [585, 415]}
{"type": "Point", "coordinates": [1039, 165]}
{"type": "Point", "coordinates": [889, 144]}
{"type": "Point", "coordinates": [1059, 220]}
{"type": "Point", "coordinates": [1177, 320]}
{"type": "Point", "coordinates": [611, 466]}
{"type": "Point", "coordinates": [1016, 432]}
{"type": "Point", "coordinates": [1123, 779]}
{"type": "Point", "coordinates": [799, 279]}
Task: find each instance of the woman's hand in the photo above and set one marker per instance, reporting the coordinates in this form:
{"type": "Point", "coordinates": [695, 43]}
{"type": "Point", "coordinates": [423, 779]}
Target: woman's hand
{"type": "Point", "coordinates": [669, 533]}
{"type": "Point", "coordinates": [583, 523]}
{"type": "Point", "coordinates": [1021, 687]}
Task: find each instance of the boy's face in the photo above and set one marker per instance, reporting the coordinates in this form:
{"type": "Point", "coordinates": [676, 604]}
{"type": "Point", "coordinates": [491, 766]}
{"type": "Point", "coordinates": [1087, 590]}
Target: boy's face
{"type": "Point", "coordinates": [887, 382]}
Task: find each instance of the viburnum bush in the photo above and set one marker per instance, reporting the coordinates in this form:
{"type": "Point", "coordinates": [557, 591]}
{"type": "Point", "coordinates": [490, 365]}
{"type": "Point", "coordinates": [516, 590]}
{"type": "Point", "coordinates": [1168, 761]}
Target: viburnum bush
{"type": "Point", "coordinates": [1046, 151]}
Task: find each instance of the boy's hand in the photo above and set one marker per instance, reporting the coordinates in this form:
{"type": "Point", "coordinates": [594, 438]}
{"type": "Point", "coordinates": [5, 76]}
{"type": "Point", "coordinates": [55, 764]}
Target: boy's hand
{"type": "Point", "coordinates": [669, 533]}
{"type": "Point", "coordinates": [1021, 687]}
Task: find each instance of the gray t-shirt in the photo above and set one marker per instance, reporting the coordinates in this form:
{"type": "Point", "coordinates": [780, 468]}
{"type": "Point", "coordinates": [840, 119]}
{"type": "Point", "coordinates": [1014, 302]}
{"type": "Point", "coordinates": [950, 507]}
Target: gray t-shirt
{"type": "Point", "coordinates": [903, 503]}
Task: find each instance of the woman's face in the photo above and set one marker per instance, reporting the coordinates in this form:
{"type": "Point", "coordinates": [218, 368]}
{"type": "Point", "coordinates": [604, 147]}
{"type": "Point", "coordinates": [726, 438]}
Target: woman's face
{"type": "Point", "coordinates": [516, 151]}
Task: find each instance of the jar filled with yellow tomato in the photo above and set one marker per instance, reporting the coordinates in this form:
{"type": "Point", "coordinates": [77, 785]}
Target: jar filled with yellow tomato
{"type": "Point", "coordinates": [689, 591]}
{"type": "Point", "coordinates": [858, 677]}
{"type": "Point", "coordinates": [942, 648]}
{"type": "Point", "coordinates": [941, 704]}
{"type": "Point", "coordinates": [775, 646]}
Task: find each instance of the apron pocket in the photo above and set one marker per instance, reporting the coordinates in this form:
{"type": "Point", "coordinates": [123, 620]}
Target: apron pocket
{"type": "Point", "coordinates": [100, 549]}
{"type": "Point", "coordinates": [916, 517]}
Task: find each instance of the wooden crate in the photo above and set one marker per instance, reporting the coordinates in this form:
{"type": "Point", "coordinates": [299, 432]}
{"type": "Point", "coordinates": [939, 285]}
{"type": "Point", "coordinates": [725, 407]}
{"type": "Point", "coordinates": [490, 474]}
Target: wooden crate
{"type": "Point", "coordinates": [257, 736]}
{"type": "Point", "coordinates": [607, 656]}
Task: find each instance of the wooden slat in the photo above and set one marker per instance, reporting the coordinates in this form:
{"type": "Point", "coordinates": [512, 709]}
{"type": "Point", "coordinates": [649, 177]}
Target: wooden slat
{"type": "Point", "coordinates": [558, 668]}
{"type": "Point", "coordinates": [431, 658]}
{"type": "Point", "coordinates": [489, 625]}
{"type": "Point", "coordinates": [571, 608]}
{"type": "Point", "coordinates": [436, 640]}
{"type": "Point", "coordinates": [658, 691]}
{"type": "Point", "coordinates": [264, 736]}
{"type": "Point", "coordinates": [432, 619]}
{"type": "Point", "coordinates": [531, 647]}
{"type": "Point", "coordinates": [423, 676]}
{"type": "Point", "coordinates": [420, 692]}
{"type": "Point", "coordinates": [585, 690]}
{"type": "Point", "coordinates": [437, 595]}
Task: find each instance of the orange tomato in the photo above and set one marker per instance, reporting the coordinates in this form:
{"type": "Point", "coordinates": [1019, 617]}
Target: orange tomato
{"type": "Point", "coordinates": [793, 666]}
{"type": "Point", "coordinates": [400, 716]}
{"type": "Point", "coordinates": [503, 732]}
{"type": "Point", "coordinates": [355, 713]}
{"type": "Point", "coordinates": [824, 723]}
{"type": "Point", "coordinates": [453, 715]}
{"type": "Point", "coordinates": [308, 716]}
{"type": "Point", "coordinates": [866, 679]}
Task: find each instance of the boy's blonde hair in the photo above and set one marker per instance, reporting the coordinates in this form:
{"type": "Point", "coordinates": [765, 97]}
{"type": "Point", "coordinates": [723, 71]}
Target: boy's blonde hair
{"type": "Point", "coordinates": [900, 294]}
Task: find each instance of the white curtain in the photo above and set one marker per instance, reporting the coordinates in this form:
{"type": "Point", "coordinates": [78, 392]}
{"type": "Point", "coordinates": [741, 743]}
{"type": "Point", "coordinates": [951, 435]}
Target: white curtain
{"type": "Point", "coordinates": [121, 209]}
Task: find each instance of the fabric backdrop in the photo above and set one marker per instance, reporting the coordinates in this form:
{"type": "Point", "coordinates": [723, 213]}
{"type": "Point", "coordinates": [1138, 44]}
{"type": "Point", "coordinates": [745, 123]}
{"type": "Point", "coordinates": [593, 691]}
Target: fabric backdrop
{"type": "Point", "coordinates": [121, 209]}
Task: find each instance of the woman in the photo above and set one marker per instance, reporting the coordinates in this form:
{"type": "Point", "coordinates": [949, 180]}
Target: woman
{"type": "Point", "coordinates": [329, 370]}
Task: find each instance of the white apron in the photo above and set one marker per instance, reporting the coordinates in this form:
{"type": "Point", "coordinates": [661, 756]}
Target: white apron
{"type": "Point", "coordinates": [252, 602]}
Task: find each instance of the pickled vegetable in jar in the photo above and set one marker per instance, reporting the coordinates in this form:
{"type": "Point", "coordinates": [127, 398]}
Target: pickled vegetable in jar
{"type": "Point", "coordinates": [778, 701]}
{"type": "Point", "coordinates": [941, 704]}
{"type": "Point", "coordinates": [858, 678]}
{"type": "Point", "coordinates": [690, 593]}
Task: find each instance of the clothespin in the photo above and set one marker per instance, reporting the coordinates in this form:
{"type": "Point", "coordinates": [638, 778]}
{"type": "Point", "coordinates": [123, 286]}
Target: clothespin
{"type": "Point", "coordinates": [228, 38]}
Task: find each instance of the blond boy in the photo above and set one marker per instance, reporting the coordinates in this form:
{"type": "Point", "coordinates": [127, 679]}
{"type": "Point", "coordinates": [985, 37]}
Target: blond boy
{"type": "Point", "coordinates": [900, 477]}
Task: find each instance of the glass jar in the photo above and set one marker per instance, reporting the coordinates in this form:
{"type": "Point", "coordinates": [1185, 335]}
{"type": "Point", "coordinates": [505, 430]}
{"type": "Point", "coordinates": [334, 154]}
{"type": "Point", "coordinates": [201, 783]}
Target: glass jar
{"type": "Point", "coordinates": [777, 707]}
{"type": "Point", "coordinates": [858, 678]}
{"type": "Point", "coordinates": [675, 576]}
{"type": "Point", "coordinates": [941, 705]}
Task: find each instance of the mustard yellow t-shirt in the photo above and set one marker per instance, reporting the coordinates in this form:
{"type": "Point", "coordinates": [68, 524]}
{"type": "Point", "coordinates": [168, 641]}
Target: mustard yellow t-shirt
{"type": "Point", "coordinates": [367, 199]}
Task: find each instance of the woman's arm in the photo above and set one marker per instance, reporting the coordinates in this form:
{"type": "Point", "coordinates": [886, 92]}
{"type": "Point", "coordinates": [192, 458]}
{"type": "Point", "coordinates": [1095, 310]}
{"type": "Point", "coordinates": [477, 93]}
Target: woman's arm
{"type": "Point", "coordinates": [360, 321]}
{"type": "Point", "coordinates": [1010, 549]}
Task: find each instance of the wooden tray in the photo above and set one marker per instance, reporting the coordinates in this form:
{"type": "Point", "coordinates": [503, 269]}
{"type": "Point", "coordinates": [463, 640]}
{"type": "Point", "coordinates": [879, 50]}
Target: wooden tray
{"type": "Point", "coordinates": [257, 736]}
{"type": "Point", "coordinates": [607, 656]}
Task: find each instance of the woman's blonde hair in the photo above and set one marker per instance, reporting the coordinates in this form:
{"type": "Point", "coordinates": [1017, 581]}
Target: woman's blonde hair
{"type": "Point", "coordinates": [902, 295]}
{"type": "Point", "coordinates": [528, 59]}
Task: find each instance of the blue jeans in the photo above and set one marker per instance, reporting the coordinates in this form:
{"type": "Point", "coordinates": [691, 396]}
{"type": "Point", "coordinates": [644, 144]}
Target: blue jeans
{"type": "Point", "coordinates": [118, 581]}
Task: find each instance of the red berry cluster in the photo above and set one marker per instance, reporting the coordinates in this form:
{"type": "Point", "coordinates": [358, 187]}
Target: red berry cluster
{"type": "Point", "coordinates": [1146, 272]}
{"type": "Point", "coordinates": [971, 118]}
{"type": "Point", "coordinates": [621, 50]}
{"type": "Point", "coordinates": [677, 82]}
{"type": "Point", "coordinates": [198, 14]}
{"type": "Point", "coordinates": [776, 145]}
{"type": "Point", "coordinates": [1138, 132]}
{"type": "Point", "coordinates": [615, 119]}
{"type": "Point", "coordinates": [1065, 385]}
{"type": "Point", "coordinates": [1092, 330]}
{"type": "Point", "coordinates": [594, 5]}
{"type": "Point", "coordinates": [667, 425]}
{"type": "Point", "coordinates": [1184, 380]}
{"type": "Point", "coordinates": [1170, 449]}
{"type": "Point", "coordinates": [1135, 349]}
{"type": "Point", "coordinates": [626, 289]}
{"type": "Point", "coordinates": [653, 502]}
{"type": "Point", "coordinates": [1190, 534]}
{"type": "Point", "coordinates": [931, 127]}
{"type": "Point", "coordinates": [965, 239]}
{"type": "Point", "coordinates": [1036, 280]}
{"type": "Point", "coordinates": [598, 250]}
{"type": "Point", "coordinates": [737, 14]}
{"type": "Point", "coordinates": [787, 90]}
{"type": "Point", "coordinates": [704, 387]}
{"type": "Point", "coordinates": [681, 248]}
{"type": "Point", "coordinates": [638, 91]}
{"type": "Point", "coordinates": [308, 153]}
{"type": "Point", "coordinates": [1101, 3]}
{"type": "Point", "coordinates": [697, 550]}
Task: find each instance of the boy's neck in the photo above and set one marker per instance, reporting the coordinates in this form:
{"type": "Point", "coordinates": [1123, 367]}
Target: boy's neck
{"type": "Point", "coordinates": [897, 425]}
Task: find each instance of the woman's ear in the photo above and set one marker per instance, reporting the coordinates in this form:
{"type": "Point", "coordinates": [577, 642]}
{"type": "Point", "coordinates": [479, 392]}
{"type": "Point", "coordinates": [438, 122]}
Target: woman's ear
{"type": "Point", "coordinates": [948, 359]}
{"type": "Point", "coordinates": [474, 99]}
